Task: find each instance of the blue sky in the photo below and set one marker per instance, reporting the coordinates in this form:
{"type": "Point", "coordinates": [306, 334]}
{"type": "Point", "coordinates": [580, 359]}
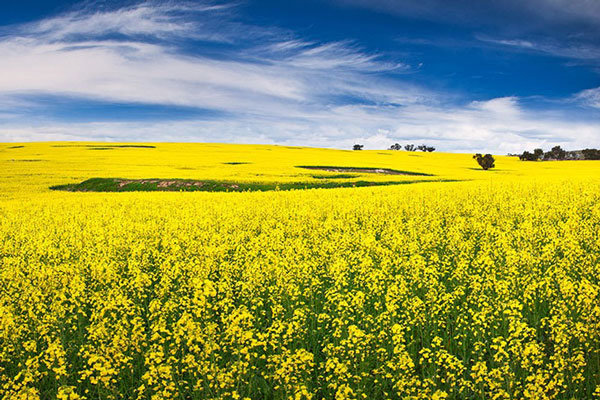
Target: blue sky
{"type": "Point", "coordinates": [461, 75]}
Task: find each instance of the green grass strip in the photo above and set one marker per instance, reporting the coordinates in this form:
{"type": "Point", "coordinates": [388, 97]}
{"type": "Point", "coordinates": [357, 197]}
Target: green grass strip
{"type": "Point", "coordinates": [190, 185]}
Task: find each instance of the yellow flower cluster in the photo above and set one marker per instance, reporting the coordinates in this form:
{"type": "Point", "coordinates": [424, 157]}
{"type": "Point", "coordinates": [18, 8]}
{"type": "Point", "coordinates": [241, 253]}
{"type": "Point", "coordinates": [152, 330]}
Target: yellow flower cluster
{"type": "Point", "coordinates": [488, 288]}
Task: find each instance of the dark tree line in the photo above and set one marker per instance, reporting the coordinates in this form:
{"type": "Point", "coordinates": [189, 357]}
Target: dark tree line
{"type": "Point", "coordinates": [591, 154]}
{"type": "Point", "coordinates": [536, 155]}
{"type": "Point", "coordinates": [557, 153]}
{"type": "Point", "coordinates": [412, 147]}
{"type": "Point", "coordinates": [397, 146]}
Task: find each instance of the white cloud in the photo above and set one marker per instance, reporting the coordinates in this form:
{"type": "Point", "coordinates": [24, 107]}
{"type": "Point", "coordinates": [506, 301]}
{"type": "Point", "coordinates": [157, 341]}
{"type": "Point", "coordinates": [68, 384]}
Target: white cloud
{"type": "Point", "coordinates": [501, 106]}
{"type": "Point", "coordinates": [150, 18]}
{"type": "Point", "coordinates": [589, 97]}
{"type": "Point", "coordinates": [481, 127]}
{"type": "Point", "coordinates": [48, 58]}
{"type": "Point", "coordinates": [138, 72]}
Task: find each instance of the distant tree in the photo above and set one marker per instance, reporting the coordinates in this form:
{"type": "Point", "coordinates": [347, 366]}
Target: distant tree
{"type": "Point", "coordinates": [591, 154]}
{"type": "Point", "coordinates": [557, 153]}
{"type": "Point", "coordinates": [425, 148]}
{"type": "Point", "coordinates": [357, 147]}
{"type": "Point", "coordinates": [535, 156]}
{"type": "Point", "coordinates": [410, 147]}
{"type": "Point", "coordinates": [527, 156]}
{"type": "Point", "coordinates": [486, 162]}
{"type": "Point", "coordinates": [396, 146]}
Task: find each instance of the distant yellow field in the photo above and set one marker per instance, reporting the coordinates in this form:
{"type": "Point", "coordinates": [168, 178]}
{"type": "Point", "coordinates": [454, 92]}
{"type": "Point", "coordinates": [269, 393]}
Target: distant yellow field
{"type": "Point", "coordinates": [36, 166]}
{"type": "Point", "coordinates": [485, 288]}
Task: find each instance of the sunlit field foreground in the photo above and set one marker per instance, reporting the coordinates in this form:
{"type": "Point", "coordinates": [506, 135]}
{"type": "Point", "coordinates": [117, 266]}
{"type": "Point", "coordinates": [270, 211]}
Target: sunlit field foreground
{"type": "Point", "coordinates": [469, 284]}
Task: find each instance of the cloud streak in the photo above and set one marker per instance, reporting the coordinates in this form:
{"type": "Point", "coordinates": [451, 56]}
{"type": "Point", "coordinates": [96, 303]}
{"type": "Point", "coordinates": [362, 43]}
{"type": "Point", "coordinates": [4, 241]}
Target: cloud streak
{"type": "Point", "coordinates": [582, 52]}
{"type": "Point", "coordinates": [589, 97]}
{"type": "Point", "coordinates": [538, 14]}
{"type": "Point", "coordinates": [150, 19]}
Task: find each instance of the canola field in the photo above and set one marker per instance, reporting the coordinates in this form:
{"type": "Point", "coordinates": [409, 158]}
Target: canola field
{"type": "Point", "coordinates": [481, 285]}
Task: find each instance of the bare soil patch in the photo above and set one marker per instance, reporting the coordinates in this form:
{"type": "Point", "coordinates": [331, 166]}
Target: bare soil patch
{"type": "Point", "coordinates": [365, 170]}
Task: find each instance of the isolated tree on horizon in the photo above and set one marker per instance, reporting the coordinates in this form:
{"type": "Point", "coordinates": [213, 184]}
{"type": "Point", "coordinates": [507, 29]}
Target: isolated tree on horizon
{"type": "Point", "coordinates": [486, 162]}
{"type": "Point", "coordinates": [357, 147]}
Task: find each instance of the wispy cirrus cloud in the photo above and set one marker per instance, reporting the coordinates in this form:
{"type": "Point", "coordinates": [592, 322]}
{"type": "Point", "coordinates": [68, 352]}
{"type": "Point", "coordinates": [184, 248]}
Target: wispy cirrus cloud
{"type": "Point", "coordinates": [72, 55]}
{"type": "Point", "coordinates": [589, 97]}
{"type": "Point", "coordinates": [153, 19]}
{"type": "Point", "coordinates": [576, 51]}
{"type": "Point", "coordinates": [336, 55]}
{"type": "Point", "coordinates": [563, 28]}
{"type": "Point", "coordinates": [513, 15]}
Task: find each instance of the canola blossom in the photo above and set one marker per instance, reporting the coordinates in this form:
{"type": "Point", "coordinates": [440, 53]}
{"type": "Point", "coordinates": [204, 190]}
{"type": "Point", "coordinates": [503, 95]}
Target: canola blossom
{"type": "Point", "coordinates": [484, 288]}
